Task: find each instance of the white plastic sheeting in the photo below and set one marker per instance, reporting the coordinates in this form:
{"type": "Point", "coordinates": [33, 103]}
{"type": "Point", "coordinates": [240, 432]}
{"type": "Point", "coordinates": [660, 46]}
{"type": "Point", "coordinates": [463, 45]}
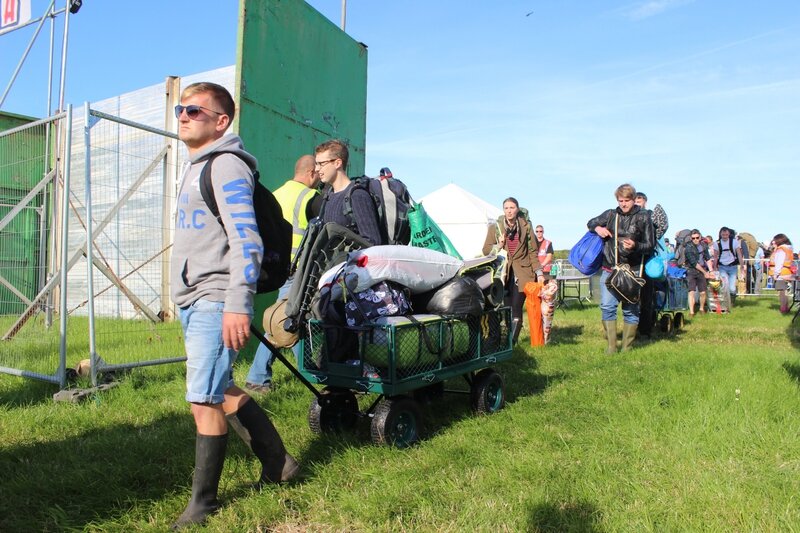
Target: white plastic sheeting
{"type": "Point", "coordinates": [462, 216]}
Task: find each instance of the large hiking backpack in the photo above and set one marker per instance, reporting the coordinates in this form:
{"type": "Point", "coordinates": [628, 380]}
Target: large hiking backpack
{"type": "Point", "coordinates": [749, 245]}
{"type": "Point", "coordinates": [682, 239]}
{"type": "Point", "coordinates": [275, 231]}
{"type": "Point", "coordinates": [391, 199]}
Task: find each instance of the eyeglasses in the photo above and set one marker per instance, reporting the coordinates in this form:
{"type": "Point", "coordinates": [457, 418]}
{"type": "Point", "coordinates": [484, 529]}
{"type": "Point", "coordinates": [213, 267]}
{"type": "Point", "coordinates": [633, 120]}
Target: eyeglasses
{"type": "Point", "coordinates": [695, 238]}
{"type": "Point", "coordinates": [320, 164]}
{"type": "Point", "coordinates": [192, 111]}
{"type": "Point", "coordinates": [539, 231]}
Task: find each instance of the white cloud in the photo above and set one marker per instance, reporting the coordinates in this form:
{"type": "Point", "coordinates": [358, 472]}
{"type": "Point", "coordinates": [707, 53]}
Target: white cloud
{"type": "Point", "coordinates": [651, 8]}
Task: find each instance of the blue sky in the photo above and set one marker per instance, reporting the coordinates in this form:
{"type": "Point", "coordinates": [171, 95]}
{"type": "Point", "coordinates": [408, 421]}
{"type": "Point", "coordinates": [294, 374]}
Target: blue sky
{"type": "Point", "coordinates": [554, 102]}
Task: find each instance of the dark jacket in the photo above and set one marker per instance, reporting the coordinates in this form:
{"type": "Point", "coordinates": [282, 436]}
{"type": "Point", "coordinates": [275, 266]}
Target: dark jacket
{"type": "Point", "coordinates": [694, 256]}
{"type": "Point", "coordinates": [636, 225]}
{"type": "Point", "coordinates": [524, 262]}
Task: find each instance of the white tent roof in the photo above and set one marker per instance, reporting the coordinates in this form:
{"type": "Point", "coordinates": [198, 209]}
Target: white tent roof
{"type": "Point", "coordinates": [462, 216]}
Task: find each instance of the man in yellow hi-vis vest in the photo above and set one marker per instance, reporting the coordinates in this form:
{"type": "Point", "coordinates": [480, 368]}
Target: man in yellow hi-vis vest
{"type": "Point", "coordinates": [300, 202]}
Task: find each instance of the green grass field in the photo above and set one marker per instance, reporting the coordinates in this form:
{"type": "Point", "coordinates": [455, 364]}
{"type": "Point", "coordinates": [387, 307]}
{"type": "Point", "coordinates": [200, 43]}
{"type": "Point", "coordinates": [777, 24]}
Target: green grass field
{"type": "Point", "coordinates": [696, 431]}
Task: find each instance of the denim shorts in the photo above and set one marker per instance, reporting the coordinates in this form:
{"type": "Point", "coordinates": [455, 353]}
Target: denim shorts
{"type": "Point", "coordinates": [209, 365]}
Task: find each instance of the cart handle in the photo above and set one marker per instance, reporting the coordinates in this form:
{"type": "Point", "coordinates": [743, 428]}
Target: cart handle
{"type": "Point", "coordinates": [277, 353]}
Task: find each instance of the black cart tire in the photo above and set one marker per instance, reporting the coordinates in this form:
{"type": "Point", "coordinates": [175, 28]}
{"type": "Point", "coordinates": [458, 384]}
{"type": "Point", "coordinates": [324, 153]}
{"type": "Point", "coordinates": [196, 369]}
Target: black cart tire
{"type": "Point", "coordinates": [333, 412]}
{"type": "Point", "coordinates": [666, 324]}
{"type": "Point", "coordinates": [678, 321]}
{"type": "Point", "coordinates": [396, 422]}
{"type": "Point", "coordinates": [488, 392]}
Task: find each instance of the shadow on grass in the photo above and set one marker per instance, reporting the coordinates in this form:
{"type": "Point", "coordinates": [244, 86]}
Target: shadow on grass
{"type": "Point", "coordinates": [20, 392]}
{"type": "Point", "coordinates": [566, 334]}
{"type": "Point", "coordinates": [572, 516]}
{"type": "Point", "coordinates": [793, 369]}
{"type": "Point", "coordinates": [125, 473]}
{"type": "Point", "coordinates": [440, 410]}
{"type": "Point", "coordinates": [793, 330]}
{"type": "Point", "coordinates": [94, 476]}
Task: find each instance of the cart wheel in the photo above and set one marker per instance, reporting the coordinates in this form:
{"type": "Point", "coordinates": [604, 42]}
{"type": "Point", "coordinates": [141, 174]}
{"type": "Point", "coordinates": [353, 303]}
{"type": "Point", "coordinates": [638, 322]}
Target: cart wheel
{"type": "Point", "coordinates": [488, 392]}
{"type": "Point", "coordinates": [333, 411]}
{"type": "Point", "coordinates": [396, 422]}
{"type": "Point", "coordinates": [665, 323]}
{"type": "Point", "coordinates": [678, 321]}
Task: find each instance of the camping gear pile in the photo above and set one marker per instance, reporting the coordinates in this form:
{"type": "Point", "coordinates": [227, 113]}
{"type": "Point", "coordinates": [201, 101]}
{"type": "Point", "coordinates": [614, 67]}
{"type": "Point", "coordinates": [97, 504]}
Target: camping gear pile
{"type": "Point", "coordinates": [393, 320]}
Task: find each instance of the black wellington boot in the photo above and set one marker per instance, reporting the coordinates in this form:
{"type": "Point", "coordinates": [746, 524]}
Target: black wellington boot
{"type": "Point", "coordinates": [517, 325]}
{"type": "Point", "coordinates": [254, 427]}
{"type": "Point", "coordinates": [208, 461]}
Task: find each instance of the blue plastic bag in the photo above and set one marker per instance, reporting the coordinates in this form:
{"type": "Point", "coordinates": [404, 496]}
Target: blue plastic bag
{"type": "Point", "coordinates": [587, 254]}
{"type": "Point", "coordinates": [656, 267]}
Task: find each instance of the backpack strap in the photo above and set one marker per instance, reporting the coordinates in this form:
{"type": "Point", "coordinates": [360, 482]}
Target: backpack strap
{"type": "Point", "coordinates": [347, 205]}
{"type": "Point", "coordinates": [389, 207]}
{"type": "Point", "coordinates": [207, 187]}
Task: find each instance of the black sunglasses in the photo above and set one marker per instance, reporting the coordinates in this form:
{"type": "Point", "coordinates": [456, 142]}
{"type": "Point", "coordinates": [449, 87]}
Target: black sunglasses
{"type": "Point", "coordinates": [192, 111]}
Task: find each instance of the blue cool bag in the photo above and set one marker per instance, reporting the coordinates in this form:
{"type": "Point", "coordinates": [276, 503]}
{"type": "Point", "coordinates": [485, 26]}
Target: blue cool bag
{"type": "Point", "coordinates": [587, 254]}
{"type": "Point", "coordinates": [656, 267]}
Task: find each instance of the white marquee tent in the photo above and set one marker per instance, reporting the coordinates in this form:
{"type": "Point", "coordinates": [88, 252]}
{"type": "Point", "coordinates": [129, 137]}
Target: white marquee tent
{"type": "Point", "coordinates": [462, 216]}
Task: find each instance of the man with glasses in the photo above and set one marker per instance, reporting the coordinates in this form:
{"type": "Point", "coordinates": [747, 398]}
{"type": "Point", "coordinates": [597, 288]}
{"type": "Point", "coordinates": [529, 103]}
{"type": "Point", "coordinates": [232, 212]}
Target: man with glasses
{"type": "Point", "coordinates": [545, 251]}
{"type": "Point", "coordinates": [214, 268]}
{"type": "Point", "coordinates": [697, 270]}
{"type": "Point", "coordinates": [331, 164]}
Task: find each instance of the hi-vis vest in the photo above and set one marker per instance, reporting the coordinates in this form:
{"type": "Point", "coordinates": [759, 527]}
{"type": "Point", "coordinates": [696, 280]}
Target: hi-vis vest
{"type": "Point", "coordinates": [294, 197]}
{"type": "Point", "coordinates": [785, 269]}
{"type": "Point", "coordinates": [543, 253]}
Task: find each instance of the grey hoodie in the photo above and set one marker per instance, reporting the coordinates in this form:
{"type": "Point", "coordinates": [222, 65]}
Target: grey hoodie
{"type": "Point", "coordinates": [207, 261]}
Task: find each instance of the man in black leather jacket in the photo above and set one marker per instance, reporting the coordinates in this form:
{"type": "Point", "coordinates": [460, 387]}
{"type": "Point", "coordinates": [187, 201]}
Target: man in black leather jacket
{"type": "Point", "coordinates": [635, 239]}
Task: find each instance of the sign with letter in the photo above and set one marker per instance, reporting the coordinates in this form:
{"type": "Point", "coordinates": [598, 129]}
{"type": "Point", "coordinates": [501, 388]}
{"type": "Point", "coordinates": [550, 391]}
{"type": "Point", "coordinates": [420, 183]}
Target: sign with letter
{"type": "Point", "coordinates": [14, 13]}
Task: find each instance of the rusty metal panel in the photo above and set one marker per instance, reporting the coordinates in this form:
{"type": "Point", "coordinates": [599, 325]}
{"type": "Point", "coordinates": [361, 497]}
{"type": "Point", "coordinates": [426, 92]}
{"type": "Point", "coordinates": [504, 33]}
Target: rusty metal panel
{"type": "Point", "coordinates": [300, 80]}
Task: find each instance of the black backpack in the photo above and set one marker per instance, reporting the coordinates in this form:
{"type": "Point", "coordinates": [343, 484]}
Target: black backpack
{"type": "Point", "coordinates": [729, 248]}
{"type": "Point", "coordinates": [275, 231]}
{"type": "Point", "coordinates": [391, 199]}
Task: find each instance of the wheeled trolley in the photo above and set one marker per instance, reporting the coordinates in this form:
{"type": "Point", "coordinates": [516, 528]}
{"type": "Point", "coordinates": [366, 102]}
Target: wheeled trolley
{"type": "Point", "coordinates": [403, 360]}
{"type": "Point", "coordinates": [671, 300]}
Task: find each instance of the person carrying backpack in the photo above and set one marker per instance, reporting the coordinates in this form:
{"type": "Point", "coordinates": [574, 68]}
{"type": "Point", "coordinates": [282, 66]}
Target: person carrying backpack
{"type": "Point", "coordinates": [514, 234]}
{"type": "Point", "coordinates": [631, 228]}
{"type": "Point", "coordinates": [215, 268]}
{"type": "Point", "coordinates": [727, 258]}
{"type": "Point", "coordinates": [331, 164]}
{"type": "Point", "coordinates": [697, 270]}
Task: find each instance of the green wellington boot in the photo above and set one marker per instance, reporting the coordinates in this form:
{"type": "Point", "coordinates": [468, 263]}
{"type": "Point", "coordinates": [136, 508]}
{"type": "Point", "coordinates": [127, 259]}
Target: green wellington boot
{"type": "Point", "coordinates": [628, 335]}
{"type": "Point", "coordinates": [610, 331]}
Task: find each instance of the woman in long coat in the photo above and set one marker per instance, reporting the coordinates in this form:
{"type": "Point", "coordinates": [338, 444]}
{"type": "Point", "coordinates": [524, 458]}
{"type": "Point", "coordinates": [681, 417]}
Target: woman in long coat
{"type": "Point", "coordinates": [513, 234]}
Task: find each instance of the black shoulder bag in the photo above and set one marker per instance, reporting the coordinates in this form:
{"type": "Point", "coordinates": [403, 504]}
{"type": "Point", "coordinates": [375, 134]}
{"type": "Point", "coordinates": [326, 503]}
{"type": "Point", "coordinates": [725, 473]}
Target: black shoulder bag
{"type": "Point", "coordinates": [623, 282]}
